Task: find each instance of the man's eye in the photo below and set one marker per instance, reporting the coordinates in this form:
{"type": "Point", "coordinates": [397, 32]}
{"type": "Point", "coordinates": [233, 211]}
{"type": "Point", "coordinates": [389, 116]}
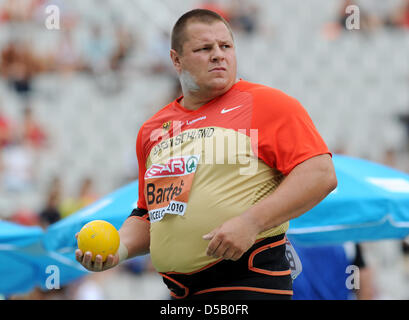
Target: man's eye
{"type": "Point", "coordinates": [202, 49]}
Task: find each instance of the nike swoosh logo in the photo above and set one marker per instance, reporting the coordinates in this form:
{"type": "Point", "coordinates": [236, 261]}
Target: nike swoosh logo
{"type": "Point", "coordinates": [228, 110]}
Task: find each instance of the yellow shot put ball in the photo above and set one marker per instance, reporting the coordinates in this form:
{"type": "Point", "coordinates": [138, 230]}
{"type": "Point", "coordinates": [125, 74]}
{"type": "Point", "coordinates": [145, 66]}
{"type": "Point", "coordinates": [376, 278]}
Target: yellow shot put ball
{"type": "Point", "coordinates": [99, 237]}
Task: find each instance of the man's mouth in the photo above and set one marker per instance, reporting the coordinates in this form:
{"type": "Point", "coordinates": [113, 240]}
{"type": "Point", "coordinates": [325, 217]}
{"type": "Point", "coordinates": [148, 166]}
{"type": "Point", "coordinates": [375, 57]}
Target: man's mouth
{"type": "Point", "coordinates": [218, 69]}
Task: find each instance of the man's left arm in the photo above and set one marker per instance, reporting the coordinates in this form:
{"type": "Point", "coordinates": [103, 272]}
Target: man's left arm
{"type": "Point", "coordinates": [304, 187]}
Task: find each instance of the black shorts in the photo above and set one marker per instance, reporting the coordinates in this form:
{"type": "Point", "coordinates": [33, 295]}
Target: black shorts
{"type": "Point", "coordinates": [263, 272]}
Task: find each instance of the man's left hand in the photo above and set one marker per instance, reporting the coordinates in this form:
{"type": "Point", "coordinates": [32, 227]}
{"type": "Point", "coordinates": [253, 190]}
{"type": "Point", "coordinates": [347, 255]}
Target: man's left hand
{"type": "Point", "coordinates": [232, 239]}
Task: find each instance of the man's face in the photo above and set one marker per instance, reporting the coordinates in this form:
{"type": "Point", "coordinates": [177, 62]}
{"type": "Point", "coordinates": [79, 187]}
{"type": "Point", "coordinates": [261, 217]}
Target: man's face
{"type": "Point", "coordinates": [208, 61]}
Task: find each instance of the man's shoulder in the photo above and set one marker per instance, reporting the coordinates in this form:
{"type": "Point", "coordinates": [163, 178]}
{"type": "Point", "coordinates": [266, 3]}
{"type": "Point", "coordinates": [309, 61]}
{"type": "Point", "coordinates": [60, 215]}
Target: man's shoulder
{"type": "Point", "coordinates": [263, 91]}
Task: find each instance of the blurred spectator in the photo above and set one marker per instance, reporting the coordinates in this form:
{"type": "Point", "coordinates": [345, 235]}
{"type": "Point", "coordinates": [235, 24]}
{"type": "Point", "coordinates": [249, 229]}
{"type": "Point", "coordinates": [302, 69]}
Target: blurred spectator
{"type": "Point", "coordinates": [18, 166]}
{"type": "Point", "coordinates": [213, 5]}
{"type": "Point", "coordinates": [405, 253]}
{"type": "Point", "coordinates": [5, 129]}
{"type": "Point", "coordinates": [19, 65]}
{"type": "Point", "coordinates": [87, 194]}
{"type": "Point", "coordinates": [124, 43]}
{"type": "Point", "coordinates": [158, 54]}
{"type": "Point", "coordinates": [379, 10]}
{"type": "Point", "coordinates": [85, 197]}
{"type": "Point", "coordinates": [25, 217]}
{"type": "Point", "coordinates": [9, 59]}
{"type": "Point", "coordinates": [33, 133]}
{"type": "Point", "coordinates": [404, 120]}
{"type": "Point", "coordinates": [243, 16]}
{"type": "Point", "coordinates": [66, 58]}
{"type": "Point", "coordinates": [17, 10]}
{"type": "Point", "coordinates": [400, 18]}
{"type": "Point", "coordinates": [51, 212]}
{"type": "Point", "coordinates": [390, 158]}
{"type": "Point", "coordinates": [97, 51]}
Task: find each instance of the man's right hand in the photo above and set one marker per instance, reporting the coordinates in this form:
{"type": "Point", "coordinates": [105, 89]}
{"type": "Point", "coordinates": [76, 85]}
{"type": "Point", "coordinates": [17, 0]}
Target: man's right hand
{"type": "Point", "coordinates": [85, 258]}
{"type": "Point", "coordinates": [134, 240]}
{"type": "Point", "coordinates": [97, 265]}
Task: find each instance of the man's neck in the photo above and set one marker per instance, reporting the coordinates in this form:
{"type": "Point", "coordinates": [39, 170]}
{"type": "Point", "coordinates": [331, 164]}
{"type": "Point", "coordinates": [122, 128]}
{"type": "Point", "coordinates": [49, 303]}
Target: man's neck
{"type": "Point", "coordinates": [194, 100]}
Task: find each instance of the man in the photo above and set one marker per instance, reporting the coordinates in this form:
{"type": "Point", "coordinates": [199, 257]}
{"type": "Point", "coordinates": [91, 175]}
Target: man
{"type": "Point", "coordinates": [214, 216]}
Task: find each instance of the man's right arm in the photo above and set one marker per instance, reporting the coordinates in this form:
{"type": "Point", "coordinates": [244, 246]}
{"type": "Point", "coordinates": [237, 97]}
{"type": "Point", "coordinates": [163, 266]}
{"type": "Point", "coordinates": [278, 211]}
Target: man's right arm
{"type": "Point", "coordinates": [135, 234]}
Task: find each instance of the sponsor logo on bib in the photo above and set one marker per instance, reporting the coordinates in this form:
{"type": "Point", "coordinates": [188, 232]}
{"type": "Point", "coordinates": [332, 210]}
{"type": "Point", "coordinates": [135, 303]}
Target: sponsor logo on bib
{"type": "Point", "coordinates": [167, 186]}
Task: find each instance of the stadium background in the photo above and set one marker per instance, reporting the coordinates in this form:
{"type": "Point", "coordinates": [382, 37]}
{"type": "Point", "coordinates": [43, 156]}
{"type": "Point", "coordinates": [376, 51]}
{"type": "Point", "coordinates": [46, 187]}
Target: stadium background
{"type": "Point", "coordinates": [92, 83]}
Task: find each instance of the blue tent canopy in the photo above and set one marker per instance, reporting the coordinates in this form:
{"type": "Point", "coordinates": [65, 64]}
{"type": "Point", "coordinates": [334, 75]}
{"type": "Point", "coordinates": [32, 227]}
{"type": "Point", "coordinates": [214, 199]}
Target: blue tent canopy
{"type": "Point", "coordinates": [371, 202]}
{"type": "Point", "coordinates": [25, 263]}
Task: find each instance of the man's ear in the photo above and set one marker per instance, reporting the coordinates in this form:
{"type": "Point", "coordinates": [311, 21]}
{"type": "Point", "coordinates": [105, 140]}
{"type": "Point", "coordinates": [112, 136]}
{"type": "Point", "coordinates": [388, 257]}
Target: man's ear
{"type": "Point", "coordinates": [175, 57]}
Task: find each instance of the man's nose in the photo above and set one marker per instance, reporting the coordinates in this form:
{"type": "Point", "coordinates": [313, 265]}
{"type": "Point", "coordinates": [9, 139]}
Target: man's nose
{"type": "Point", "coordinates": [217, 54]}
